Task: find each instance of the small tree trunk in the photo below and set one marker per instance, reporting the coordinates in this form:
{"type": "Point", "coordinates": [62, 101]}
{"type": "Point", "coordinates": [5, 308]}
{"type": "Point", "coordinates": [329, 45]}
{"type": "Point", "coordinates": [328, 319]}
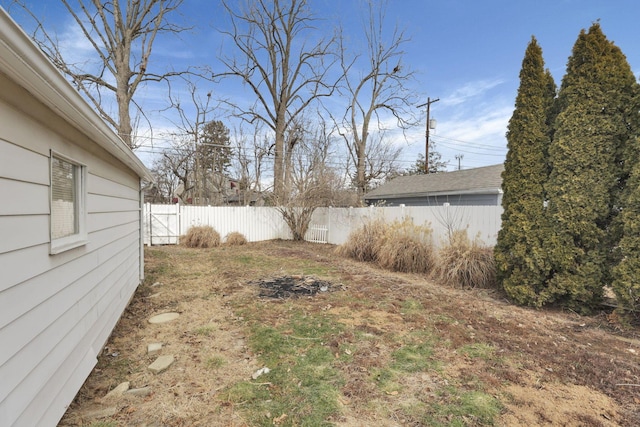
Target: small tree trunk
{"type": "Point", "coordinates": [125, 130]}
{"type": "Point", "coordinates": [278, 162]}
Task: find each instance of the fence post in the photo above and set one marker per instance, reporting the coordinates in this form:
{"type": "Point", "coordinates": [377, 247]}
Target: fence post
{"type": "Point", "coordinates": [329, 213]}
{"type": "Point", "coordinates": [150, 225]}
{"type": "Point", "coordinates": [178, 222]}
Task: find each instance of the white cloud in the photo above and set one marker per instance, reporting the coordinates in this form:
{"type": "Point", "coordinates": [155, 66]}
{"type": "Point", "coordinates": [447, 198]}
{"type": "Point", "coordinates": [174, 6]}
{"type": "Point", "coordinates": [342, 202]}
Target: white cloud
{"type": "Point", "coordinates": [77, 49]}
{"type": "Point", "coordinates": [481, 127]}
{"type": "Point", "coordinates": [471, 121]}
{"type": "Point", "coordinates": [469, 91]}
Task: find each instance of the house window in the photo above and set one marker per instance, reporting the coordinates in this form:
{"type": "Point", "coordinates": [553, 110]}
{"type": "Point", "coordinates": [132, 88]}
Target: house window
{"type": "Point", "coordinates": [68, 222]}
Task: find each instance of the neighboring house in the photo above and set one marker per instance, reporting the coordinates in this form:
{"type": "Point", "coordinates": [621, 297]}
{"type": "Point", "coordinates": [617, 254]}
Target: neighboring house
{"type": "Point", "coordinates": [70, 234]}
{"type": "Point", "coordinates": [468, 187]}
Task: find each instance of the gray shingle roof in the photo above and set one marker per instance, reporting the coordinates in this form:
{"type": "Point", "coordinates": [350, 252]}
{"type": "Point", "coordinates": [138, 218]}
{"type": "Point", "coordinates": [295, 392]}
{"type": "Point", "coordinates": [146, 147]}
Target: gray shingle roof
{"type": "Point", "coordinates": [486, 179]}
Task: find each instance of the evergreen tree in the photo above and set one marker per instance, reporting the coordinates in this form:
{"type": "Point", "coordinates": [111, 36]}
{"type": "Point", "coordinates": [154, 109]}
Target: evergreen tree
{"type": "Point", "coordinates": [626, 229]}
{"type": "Point", "coordinates": [521, 257]}
{"type": "Point", "coordinates": [214, 149]}
{"type": "Point", "coordinates": [435, 162]}
{"type": "Point", "coordinates": [626, 273]}
{"type": "Point", "coordinates": [587, 170]}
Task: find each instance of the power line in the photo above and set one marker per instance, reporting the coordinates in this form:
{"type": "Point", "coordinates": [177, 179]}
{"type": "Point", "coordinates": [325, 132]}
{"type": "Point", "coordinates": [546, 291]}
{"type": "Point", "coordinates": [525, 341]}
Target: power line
{"type": "Point", "coordinates": [474, 144]}
{"type": "Point", "coordinates": [496, 152]}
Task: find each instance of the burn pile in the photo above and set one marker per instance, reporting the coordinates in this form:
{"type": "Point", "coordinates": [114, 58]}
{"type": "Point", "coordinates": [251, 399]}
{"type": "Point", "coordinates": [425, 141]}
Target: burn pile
{"type": "Point", "coordinates": [291, 286]}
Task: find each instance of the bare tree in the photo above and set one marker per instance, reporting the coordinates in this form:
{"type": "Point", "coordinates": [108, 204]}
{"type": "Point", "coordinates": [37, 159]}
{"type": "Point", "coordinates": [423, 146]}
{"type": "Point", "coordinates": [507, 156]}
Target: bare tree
{"type": "Point", "coordinates": [314, 181]}
{"type": "Point", "coordinates": [176, 166]}
{"type": "Point", "coordinates": [201, 152]}
{"type": "Point", "coordinates": [378, 92]}
{"type": "Point", "coordinates": [275, 59]}
{"type": "Point", "coordinates": [122, 36]}
{"type": "Point", "coordinates": [187, 139]}
{"type": "Point", "coordinates": [170, 178]}
{"type": "Point", "coordinates": [381, 161]}
{"type": "Point", "coordinates": [251, 148]}
{"type": "Point", "coordinates": [196, 174]}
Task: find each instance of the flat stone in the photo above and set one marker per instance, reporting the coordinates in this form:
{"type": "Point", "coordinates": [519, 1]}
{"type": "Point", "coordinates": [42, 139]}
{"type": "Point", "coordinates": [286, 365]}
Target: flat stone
{"type": "Point", "coordinates": [118, 391]}
{"type": "Point", "coordinates": [154, 348]}
{"type": "Point", "coordinates": [139, 392]}
{"type": "Point", "coordinates": [100, 413]}
{"type": "Point", "coordinates": [259, 372]}
{"type": "Point", "coordinates": [161, 363]}
{"type": "Point", "coordinates": [164, 317]}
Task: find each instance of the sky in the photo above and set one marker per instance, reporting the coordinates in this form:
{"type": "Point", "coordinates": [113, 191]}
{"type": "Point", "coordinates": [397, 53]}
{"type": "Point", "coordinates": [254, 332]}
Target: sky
{"type": "Point", "coordinates": [466, 53]}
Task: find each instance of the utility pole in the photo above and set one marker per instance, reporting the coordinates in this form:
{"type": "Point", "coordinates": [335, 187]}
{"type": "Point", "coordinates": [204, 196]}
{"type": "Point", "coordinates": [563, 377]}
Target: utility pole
{"type": "Point", "coordinates": [426, 151]}
{"type": "Point", "coordinates": [458, 158]}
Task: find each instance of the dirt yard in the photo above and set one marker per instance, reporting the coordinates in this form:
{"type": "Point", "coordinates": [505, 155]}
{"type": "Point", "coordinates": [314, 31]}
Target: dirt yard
{"type": "Point", "coordinates": [487, 362]}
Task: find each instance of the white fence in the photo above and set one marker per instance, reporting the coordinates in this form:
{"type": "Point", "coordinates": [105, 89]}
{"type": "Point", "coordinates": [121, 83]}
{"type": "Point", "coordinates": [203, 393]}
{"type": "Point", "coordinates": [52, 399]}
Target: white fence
{"type": "Point", "coordinates": [165, 223]}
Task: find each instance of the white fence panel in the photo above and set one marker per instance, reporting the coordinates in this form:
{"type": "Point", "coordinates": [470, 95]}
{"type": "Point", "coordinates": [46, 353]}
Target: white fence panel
{"type": "Point", "coordinates": [255, 223]}
{"type": "Point", "coordinates": [329, 225]}
{"type": "Point", "coordinates": [481, 221]}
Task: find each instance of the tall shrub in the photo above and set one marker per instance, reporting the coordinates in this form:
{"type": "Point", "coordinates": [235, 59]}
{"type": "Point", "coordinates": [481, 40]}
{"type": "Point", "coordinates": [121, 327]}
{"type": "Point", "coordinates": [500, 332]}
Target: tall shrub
{"type": "Point", "coordinates": [627, 272]}
{"type": "Point", "coordinates": [591, 133]}
{"type": "Point", "coordinates": [520, 254]}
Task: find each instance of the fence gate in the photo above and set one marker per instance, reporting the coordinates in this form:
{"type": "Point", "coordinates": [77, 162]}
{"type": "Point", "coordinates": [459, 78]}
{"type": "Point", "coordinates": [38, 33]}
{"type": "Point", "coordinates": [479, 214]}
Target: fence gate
{"type": "Point", "coordinates": [162, 224]}
{"type": "Point", "coordinates": [317, 233]}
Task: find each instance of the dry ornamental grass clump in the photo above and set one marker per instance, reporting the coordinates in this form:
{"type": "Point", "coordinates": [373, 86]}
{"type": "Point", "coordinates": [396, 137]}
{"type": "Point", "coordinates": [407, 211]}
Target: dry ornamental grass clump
{"type": "Point", "coordinates": [364, 243]}
{"type": "Point", "coordinates": [398, 246]}
{"type": "Point", "coordinates": [235, 239]}
{"type": "Point", "coordinates": [465, 263]}
{"type": "Point", "coordinates": [407, 248]}
{"type": "Point", "coordinates": [201, 236]}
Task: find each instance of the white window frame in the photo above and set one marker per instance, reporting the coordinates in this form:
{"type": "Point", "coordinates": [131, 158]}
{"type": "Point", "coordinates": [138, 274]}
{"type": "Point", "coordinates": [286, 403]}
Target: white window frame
{"type": "Point", "coordinates": [62, 244]}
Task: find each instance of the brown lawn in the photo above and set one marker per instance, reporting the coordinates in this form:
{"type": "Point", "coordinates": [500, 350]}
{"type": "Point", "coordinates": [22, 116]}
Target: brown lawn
{"type": "Point", "coordinates": [543, 367]}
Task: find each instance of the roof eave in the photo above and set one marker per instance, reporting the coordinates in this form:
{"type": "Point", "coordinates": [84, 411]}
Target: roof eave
{"type": "Point", "coordinates": [435, 194]}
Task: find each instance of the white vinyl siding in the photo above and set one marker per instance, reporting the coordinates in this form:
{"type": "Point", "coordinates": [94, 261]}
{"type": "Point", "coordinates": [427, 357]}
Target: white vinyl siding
{"type": "Point", "coordinates": [58, 310]}
{"type": "Point", "coordinates": [58, 307]}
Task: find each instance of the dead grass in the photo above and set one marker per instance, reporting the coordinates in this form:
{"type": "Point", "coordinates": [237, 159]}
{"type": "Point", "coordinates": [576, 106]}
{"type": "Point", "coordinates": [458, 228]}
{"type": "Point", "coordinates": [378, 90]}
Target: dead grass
{"type": "Point", "coordinates": [202, 236]}
{"type": "Point", "coordinates": [407, 248]}
{"type": "Point", "coordinates": [397, 246]}
{"type": "Point", "coordinates": [465, 263]}
{"type": "Point", "coordinates": [364, 243]}
{"type": "Point", "coordinates": [235, 238]}
{"type": "Point", "coordinates": [385, 348]}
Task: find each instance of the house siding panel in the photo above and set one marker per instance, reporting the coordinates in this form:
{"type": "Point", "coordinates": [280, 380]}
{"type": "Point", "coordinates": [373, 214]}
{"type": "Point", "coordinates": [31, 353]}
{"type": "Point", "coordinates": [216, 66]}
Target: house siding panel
{"type": "Point", "coordinates": [23, 198]}
{"type": "Point", "coordinates": [39, 260]}
{"type": "Point", "coordinates": [107, 187]}
{"type": "Point", "coordinates": [12, 161]}
{"type": "Point", "coordinates": [81, 362]}
{"type": "Point", "coordinates": [94, 313]}
{"type": "Point", "coordinates": [98, 203]}
{"type": "Point", "coordinates": [57, 310]}
{"type": "Point", "coordinates": [104, 220]}
{"type": "Point", "coordinates": [19, 231]}
{"type": "Point", "coordinates": [452, 200]}
{"type": "Point", "coordinates": [33, 322]}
